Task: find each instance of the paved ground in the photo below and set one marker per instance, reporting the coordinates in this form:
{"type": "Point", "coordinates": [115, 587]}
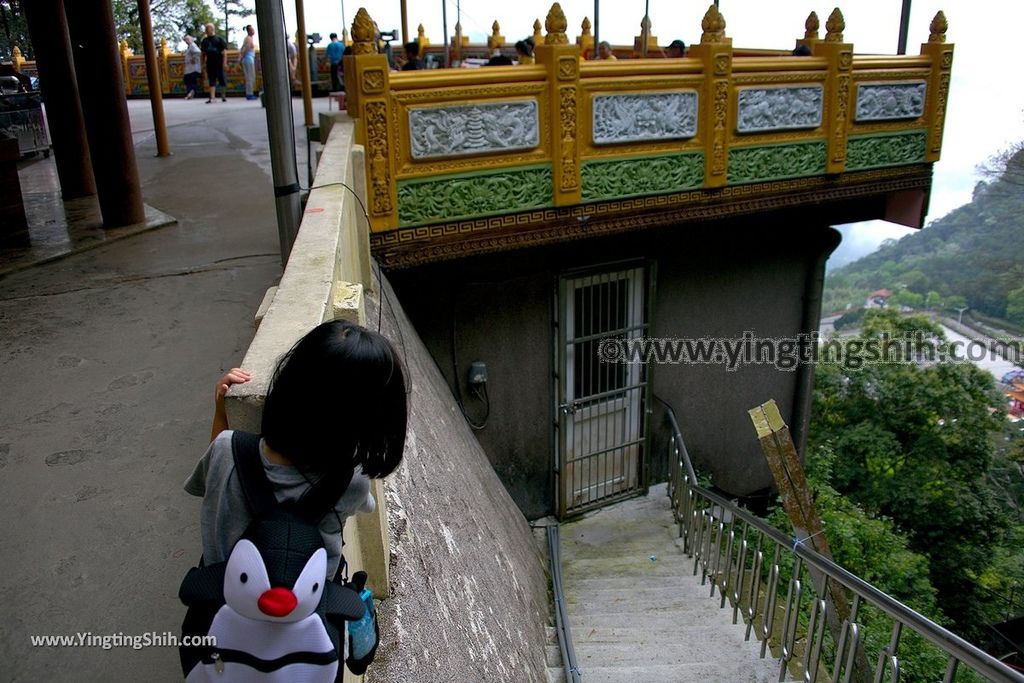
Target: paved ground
{"type": "Point", "coordinates": [107, 365]}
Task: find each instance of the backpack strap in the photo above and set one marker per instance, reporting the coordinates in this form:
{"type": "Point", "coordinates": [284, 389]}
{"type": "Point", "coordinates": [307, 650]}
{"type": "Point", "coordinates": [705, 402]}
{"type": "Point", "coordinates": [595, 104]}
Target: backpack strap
{"type": "Point", "coordinates": [321, 497]}
{"type": "Point", "coordinates": [256, 488]}
{"type": "Point", "coordinates": [318, 500]}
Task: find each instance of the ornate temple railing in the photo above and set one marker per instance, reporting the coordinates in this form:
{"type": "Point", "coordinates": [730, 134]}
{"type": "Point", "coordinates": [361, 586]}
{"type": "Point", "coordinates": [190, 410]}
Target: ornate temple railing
{"type": "Point", "coordinates": [787, 596]}
{"type": "Point", "coordinates": [505, 146]}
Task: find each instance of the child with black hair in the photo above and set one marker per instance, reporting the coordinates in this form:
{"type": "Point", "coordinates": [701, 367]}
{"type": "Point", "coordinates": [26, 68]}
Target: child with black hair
{"type": "Point", "coordinates": [336, 407]}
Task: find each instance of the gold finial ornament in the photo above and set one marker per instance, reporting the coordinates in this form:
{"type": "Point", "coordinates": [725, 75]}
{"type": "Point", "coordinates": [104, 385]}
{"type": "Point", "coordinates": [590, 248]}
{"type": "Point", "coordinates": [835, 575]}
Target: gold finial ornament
{"type": "Point", "coordinates": [495, 40]}
{"type": "Point", "coordinates": [16, 54]}
{"type": "Point", "coordinates": [834, 27]}
{"type": "Point", "coordinates": [364, 34]}
{"type": "Point", "coordinates": [556, 25]}
{"type": "Point", "coordinates": [538, 36]}
{"type": "Point", "coordinates": [713, 25]}
{"type": "Point", "coordinates": [938, 28]}
{"type": "Point", "coordinates": [585, 26]}
{"type": "Point", "coordinates": [811, 26]}
{"type": "Point", "coordinates": [420, 31]}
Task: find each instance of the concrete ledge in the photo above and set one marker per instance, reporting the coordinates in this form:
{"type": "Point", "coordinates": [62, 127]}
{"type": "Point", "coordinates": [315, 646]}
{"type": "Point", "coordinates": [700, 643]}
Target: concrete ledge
{"type": "Point", "coordinates": [317, 281]}
{"type": "Point", "coordinates": [324, 280]}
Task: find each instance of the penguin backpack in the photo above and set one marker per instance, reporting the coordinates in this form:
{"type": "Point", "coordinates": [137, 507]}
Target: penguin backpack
{"type": "Point", "coordinates": [269, 609]}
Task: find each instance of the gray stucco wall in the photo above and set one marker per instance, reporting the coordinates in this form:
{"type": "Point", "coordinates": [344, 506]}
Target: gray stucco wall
{"type": "Point", "coordinates": [469, 589]}
{"type": "Point", "coordinates": [712, 280]}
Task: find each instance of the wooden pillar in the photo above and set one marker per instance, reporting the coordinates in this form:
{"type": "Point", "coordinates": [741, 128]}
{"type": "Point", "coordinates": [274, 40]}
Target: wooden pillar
{"type": "Point", "coordinates": [837, 89]}
{"type": "Point", "coordinates": [941, 54]}
{"type": "Point", "coordinates": [99, 69]}
{"type": "Point", "coordinates": [156, 99]}
{"type": "Point", "coordinates": [49, 28]}
{"type": "Point", "coordinates": [307, 88]}
{"type": "Point", "coordinates": [715, 50]}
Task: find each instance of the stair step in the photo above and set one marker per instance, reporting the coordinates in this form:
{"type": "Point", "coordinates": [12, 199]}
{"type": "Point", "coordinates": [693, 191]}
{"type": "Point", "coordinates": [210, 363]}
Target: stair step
{"type": "Point", "coordinates": [647, 633]}
{"type": "Point", "coordinates": [690, 673]}
{"type": "Point", "coordinates": [553, 655]}
{"type": "Point", "coordinates": [682, 582]}
{"type": "Point", "coordinates": [710, 650]}
{"type": "Point", "coordinates": [555, 675]}
{"type": "Point", "coordinates": [639, 607]}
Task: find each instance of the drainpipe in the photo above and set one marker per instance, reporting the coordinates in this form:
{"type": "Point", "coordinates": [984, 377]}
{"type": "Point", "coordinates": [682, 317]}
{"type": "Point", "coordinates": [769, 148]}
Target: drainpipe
{"type": "Point", "coordinates": [809, 323]}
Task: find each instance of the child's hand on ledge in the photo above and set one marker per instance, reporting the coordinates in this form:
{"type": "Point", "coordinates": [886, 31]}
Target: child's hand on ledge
{"type": "Point", "coordinates": [220, 415]}
{"type": "Point", "coordinates": [232, 376]}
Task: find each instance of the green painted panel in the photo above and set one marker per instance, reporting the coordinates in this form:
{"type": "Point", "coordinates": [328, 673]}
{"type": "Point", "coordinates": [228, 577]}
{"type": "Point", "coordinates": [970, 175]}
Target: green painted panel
{"type": "Point", "coordinates": [618, 178]}
{"type": "Point", "coordinates": [775, 162]}
{"type": "Point", "coordinates": [468, 195]}
{"type": "Point", "coordinates": [888, 149]}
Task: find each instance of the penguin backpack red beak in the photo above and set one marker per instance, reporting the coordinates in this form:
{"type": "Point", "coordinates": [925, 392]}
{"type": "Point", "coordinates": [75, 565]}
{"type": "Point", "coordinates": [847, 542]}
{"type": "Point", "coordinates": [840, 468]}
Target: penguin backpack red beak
{"type": "Point", "coordinates": [277, 602]}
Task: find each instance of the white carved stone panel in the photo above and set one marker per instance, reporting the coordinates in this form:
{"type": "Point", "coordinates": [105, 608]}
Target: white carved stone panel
{"type": "Point", "coordinates": [645, 117]}
{"type": "Point", "coordinates": [458, 130]}
{"type": "Point", "coordinates": [785, 108]}
{"type": "Point", "coordinates": [890, 101]}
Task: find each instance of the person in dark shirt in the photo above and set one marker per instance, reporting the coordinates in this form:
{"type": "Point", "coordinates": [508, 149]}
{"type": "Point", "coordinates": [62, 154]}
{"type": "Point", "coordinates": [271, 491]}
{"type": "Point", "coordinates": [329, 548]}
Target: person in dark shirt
{"type": "Point", "coordinates": [498, 59]}
{"type": "Point", "coordinates": [215, 48]}
{"type": "Point", "coordinates": [412, 57]}
{"type": "Point", "coordinates": [675, 49]}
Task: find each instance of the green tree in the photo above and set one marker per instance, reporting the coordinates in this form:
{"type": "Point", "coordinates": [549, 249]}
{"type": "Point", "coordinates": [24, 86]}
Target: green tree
{"type": "Point", "coordinates": [172, 19]}
{"type": "Point", "coordinates": [14, 30]}
{"type": "Point", "coordinates": [230, 8]}
{"type": "Point", "coordinates": [954, 303]}
{"type": "Point", "coordinates": [914, 444]}
{"type": "Point", "coordinates": [1015, 306]}
{"type": "Point", "coordinates": [907, 298]}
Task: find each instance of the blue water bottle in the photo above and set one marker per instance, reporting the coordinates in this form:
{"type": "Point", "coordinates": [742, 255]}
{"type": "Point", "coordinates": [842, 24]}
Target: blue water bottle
{"type": "Point", "coordinates": [362, 633]}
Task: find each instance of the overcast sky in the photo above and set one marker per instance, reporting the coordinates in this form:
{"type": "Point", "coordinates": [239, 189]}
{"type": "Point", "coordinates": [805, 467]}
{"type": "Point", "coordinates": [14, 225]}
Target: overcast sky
{"type": "Point", "coordinates": [986, 102]}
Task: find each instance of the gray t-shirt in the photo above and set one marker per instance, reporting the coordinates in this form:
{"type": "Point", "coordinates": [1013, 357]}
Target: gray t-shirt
{"type": "Point", "coordinates": [224, 516]}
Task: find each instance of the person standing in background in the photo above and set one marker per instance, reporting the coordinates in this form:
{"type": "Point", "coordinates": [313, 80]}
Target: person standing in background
{"type": "Point", "coordinates": [675, 49]}
{"type": "Point", "coordinates": [335, 49]}
{"type": "Point", "coordinates": [247, 60]}
{"type": "Point", "coordinates": [216, 50]}
{"type": "Point", "coordinates": [604, 51]}
{"type": "Point", "coordinates": [293, 60]}
{"type": "Point", "coordinates": [193, 67]}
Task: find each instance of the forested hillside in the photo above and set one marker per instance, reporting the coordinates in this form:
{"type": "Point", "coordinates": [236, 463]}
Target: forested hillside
{"type": "Point", "coordinates": [973, 256]}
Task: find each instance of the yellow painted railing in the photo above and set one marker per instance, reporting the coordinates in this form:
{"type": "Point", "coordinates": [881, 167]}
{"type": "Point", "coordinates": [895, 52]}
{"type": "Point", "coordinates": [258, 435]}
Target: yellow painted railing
{"type": "Point", "coordinates": [449, 145]}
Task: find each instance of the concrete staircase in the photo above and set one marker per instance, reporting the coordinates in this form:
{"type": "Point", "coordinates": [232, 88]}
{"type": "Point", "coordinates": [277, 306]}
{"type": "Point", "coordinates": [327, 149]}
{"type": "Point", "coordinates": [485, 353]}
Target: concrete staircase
{"type": "Point", "coordinates": [637, 612]}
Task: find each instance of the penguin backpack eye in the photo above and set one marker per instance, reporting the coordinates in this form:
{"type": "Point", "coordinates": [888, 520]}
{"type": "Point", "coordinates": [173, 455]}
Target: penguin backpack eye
{"type": "Point", "coordinates": [244, 577]}
{"type": "Point", "coordinates": [316, 587]}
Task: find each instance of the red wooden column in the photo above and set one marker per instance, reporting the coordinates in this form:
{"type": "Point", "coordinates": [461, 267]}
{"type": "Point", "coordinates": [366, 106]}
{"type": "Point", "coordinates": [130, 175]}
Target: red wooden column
{"type": "Point", "coordinates": [101, 89]}
{"type": "Point", "coordinates": [49, 31]}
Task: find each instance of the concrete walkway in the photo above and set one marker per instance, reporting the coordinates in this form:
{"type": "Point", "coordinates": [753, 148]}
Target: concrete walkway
{"type": "Point", "coordinates": [638, 613]}
{"type": "Point", "coordinates": [108, 359]}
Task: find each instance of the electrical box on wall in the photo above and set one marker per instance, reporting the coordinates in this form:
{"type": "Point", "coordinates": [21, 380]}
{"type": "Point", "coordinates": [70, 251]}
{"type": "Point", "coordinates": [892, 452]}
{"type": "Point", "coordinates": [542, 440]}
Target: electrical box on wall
{"type": "Point", "coordinates": [477, 373]}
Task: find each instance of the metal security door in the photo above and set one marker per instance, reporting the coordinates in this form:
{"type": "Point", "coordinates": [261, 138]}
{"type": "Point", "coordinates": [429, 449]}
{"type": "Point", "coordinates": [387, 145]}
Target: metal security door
{"type": "Point", "coordinates": [602, 404]}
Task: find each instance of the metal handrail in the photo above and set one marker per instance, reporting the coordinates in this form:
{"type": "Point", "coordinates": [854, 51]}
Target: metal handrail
{"type": "Point", "coordinates": [716, 534]}
{"type": "Point", "coordinates": [572, 669]}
